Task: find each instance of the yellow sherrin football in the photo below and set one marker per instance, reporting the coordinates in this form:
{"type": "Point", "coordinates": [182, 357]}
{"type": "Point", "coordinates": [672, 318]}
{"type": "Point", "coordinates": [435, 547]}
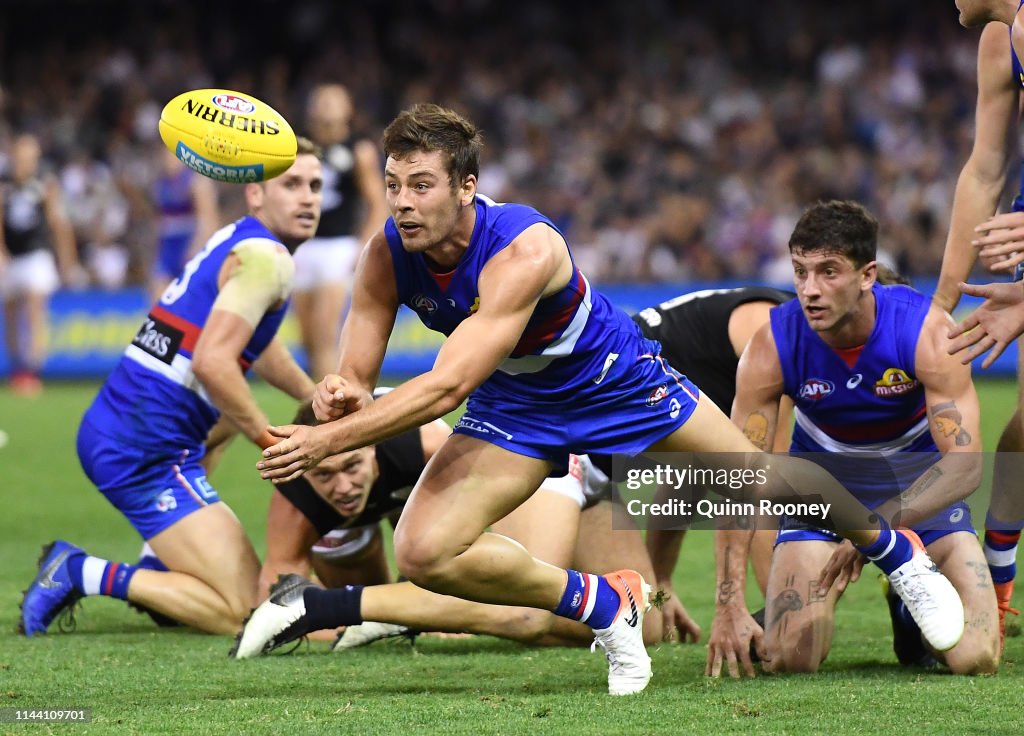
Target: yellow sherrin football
{"type": "Point", "coordinates": [227, 136]}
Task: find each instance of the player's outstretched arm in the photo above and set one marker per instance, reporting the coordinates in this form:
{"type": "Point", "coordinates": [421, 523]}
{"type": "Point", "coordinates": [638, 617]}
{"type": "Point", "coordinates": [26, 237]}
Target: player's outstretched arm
{"type": "Point", "coordinates": [364, 335]}
{"type": "Point", "coordinates": [983, 177]}
{"type": "Point", "coordinates": [536, 263]}
{"type": "Point", "coordinates": [755, 410]}
{"type": "Point", "coordinates": [992, 326]}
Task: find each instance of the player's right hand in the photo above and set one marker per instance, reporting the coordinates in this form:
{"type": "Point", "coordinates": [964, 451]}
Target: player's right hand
{"type": "Point", "coordinates": [335, 396]}
{"type": "Point", "coordinates": [732, 632]}
{"type": "Point", "coordinates": [1000, 241]}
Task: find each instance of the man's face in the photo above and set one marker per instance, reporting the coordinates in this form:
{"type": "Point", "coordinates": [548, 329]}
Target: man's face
{"type": "Point", "coordinates": [829, 287]}
{"type": "Point", "coordinates": [345, 480]}
{"type": "Point", "coordinates": [289, 204]}
{"type": "Point", "coordinates": [421, 200]}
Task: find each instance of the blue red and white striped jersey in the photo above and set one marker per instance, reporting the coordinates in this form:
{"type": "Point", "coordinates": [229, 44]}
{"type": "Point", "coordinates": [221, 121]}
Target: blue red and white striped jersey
{"type": "Point", "coordinates": [875, 405]}
{"type": "Point", "coordinates": [152, 398]}
{"type": "Point", "coordinates": [573, 337]}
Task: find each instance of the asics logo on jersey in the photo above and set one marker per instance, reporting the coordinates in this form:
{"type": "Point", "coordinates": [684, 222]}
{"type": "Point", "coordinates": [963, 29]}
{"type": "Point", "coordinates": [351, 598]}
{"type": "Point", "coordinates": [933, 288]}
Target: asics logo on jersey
{"type": "Point", "coordinates": [46, 579]}
{"type": "Point", "coordinates": [632, 619]}
{"type": "Point", "coordinates": [854, 381]}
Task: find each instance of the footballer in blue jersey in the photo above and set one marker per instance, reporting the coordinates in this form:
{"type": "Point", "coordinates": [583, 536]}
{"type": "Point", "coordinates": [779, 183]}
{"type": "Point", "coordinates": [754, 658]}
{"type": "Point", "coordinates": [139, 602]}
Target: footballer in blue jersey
{"type": "Point", "coordinates": [881, 403]}
{"type": "Point", "coordinates": [976, 230]}
{"type": "Point", "coordinates": [142, 440]}
{"type": "Point", "coordinates": [548, 367]}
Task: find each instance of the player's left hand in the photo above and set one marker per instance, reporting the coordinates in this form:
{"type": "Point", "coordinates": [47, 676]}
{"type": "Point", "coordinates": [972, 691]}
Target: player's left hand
{"type": "Point", "coordinates": [1000, 241]}
{"type": "Point", "coordinates": [842, 568]}
{"type": "Point", "coordinates": [300, 449]}
{"type": "Point", "coordinates": [992, 326]}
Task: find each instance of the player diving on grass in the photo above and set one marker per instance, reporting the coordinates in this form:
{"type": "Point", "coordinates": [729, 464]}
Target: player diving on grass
{"type": "Point", "coordinates": [142, 440]}
{"type": "Point", "coordinates": [702, 336]}
{"type": "Point", "coordinates": [329, 520]}
{"type": "Point", "coordinates": [549, 367]}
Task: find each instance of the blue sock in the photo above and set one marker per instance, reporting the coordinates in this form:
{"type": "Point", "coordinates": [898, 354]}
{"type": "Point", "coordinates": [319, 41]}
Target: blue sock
{"type": "Point", "coordinates": [93, 576]}
{"type": "Point", "coordinates": [590, 599]}
{"type": "Point", "coordinates": [1001, 551]}
{"type": "Point", "coordinates": [890, 550]}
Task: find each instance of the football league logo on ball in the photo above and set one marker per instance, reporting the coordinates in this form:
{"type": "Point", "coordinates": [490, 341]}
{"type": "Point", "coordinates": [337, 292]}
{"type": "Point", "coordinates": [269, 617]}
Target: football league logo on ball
{"type": "Point", "coordinates": [234, 103]}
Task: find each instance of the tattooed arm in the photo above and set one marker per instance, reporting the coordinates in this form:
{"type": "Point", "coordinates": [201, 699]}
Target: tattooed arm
{"type": "Point", "coordinates": [954, 421]}
{"type": "Point", "coordinates": [756, 411]}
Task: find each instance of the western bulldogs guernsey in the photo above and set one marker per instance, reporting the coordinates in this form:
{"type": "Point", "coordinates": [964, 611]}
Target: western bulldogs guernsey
{"type": "Point", "coordinates": [152, 399]}
{"type": "Point", "coordinates": [577, 357]}
{"type": "Point", "coordinates": [871, 417]}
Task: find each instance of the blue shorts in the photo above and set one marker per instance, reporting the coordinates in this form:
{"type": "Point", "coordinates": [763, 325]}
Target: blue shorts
{"type": "Point", "coordinates": [170, 255]}
{"type": "Point", "coordinates": [154, 490]}
{"type": "Point", "coordinates": [647, 403]}
{"type": "Point", "coordinates": [955, 518]}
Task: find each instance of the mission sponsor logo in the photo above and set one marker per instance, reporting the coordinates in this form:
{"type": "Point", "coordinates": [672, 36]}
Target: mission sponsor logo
{"type": "Point", "coordinates": [816, 389]}
{"type": "Point", "coordinates": [895, 382]}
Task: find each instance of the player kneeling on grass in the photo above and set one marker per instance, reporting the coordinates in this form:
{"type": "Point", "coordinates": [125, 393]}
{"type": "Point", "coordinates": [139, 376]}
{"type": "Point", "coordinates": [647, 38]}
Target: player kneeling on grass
{"type": "Point", "coordinates": [881, 404]}
{"type": "Point", "coordinates": [142, 440]}
{"type": "Point", "coordinates": [329, 520]}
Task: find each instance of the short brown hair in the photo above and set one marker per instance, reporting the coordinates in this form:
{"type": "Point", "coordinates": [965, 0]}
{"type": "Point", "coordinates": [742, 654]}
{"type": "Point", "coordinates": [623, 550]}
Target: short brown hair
{"type": "Point", "coordinates": [429, 127]}
{"type": "Point", "coordinates": [304, 145]}
{"type": "Point", "coordinates": [839, 226]}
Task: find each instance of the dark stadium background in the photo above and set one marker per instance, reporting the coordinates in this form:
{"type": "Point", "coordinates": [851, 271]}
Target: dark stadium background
{"type": "Point", "coordinates": [674, 142]}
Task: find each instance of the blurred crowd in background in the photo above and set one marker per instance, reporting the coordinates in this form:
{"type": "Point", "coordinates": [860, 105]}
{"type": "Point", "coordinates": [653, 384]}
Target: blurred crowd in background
{"type": "Point", "coordinates": [670, 141]}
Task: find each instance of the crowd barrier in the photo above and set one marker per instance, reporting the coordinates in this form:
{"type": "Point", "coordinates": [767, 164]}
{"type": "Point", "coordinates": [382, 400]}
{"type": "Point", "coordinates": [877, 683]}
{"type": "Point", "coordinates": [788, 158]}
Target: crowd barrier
{"type": "Point", "coordinates": [90, 329]}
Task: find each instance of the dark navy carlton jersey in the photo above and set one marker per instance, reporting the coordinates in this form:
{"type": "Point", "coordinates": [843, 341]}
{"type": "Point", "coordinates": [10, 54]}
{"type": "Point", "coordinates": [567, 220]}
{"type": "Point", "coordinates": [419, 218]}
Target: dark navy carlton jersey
{"type": "Point", "coordinates": [693, 330]}
{"type": "Point", "coordinates": [573, 339]}
{"type": "Point", "coordinates": [878, 405]}
{"type": "Point", "coordinates": [152, 398]}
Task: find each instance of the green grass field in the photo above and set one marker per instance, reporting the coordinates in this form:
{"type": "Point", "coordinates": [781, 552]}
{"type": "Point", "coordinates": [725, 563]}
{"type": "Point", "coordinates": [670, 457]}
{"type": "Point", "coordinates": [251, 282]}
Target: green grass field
{"type": "Point", "coordinates": [138, 679]}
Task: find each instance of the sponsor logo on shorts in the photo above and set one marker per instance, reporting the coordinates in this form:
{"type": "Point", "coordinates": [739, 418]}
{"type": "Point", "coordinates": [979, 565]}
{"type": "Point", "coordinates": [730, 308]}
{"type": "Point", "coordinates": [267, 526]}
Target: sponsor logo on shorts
{"type": "Point", "coordinates": [816, 389]}
{"type": "Point", "coordinates": [234, 103]}
{"type": "Point", "coordinates": [956, 516]}
{"type": "Point", "coordinates": [657, 395]}
{"type": "Point", "coordinates": [470, 424]}
{"type": "Point", "coordinates": [895, 382]}
{"type": "Point", "coordinates": [214, 170]}
{"type": "Point", "coordinates": [673, 408]}
{"type": "Point", "coordinates": [166, 501]}
{"type": "Point", "coordinates": [424, 304]}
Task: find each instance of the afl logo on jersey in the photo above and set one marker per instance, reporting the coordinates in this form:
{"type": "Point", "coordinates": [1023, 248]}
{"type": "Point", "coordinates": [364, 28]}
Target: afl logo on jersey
{"type": "Point", "coordinates": [895, 382]}
{"type": "Point", "coordinates": [816, 389]}
{"type": "Point", "coordinates": [424, 304]}
{"type": "Point", "coordinates": [234, 103]}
